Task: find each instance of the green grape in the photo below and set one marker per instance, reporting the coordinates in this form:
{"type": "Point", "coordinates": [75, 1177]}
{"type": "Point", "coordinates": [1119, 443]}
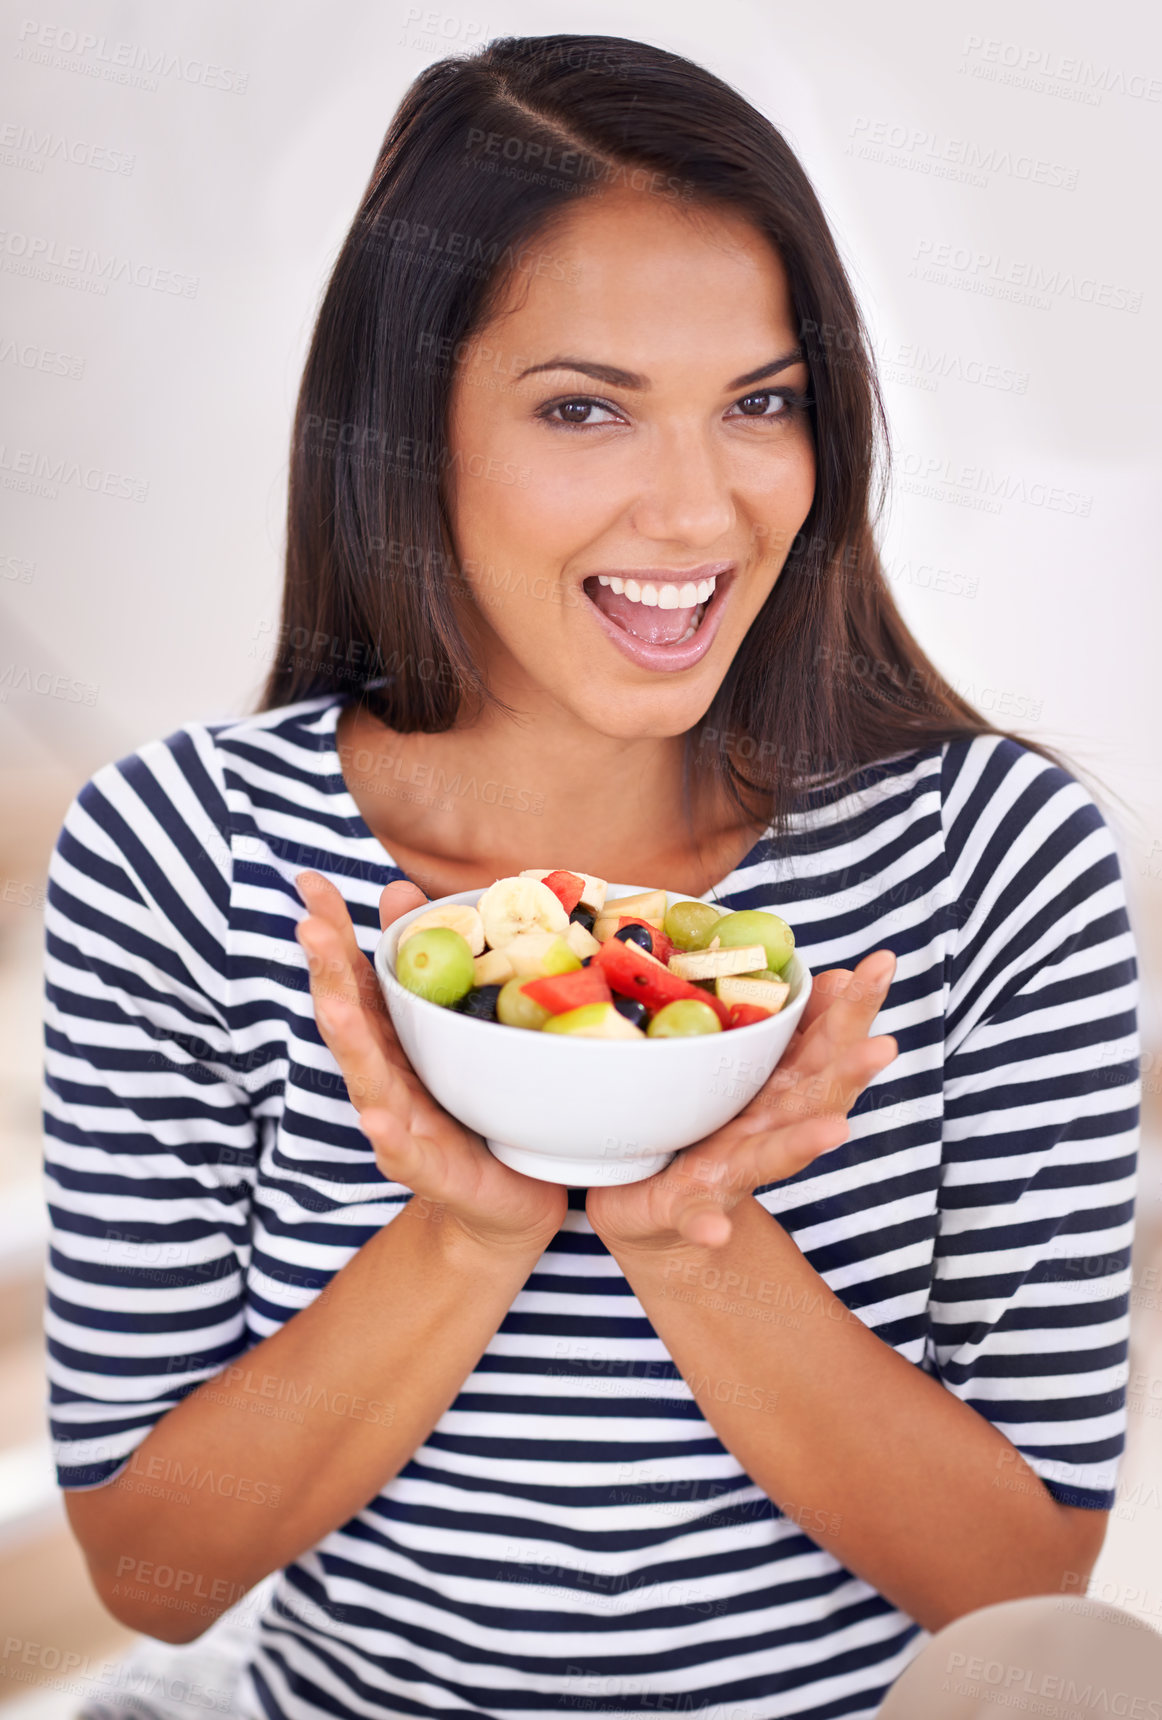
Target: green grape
{"type": "Point", "coordinates": [515, 1008]}
{"type": "Point", "coordinates": [756, 926]}
{"type": "Point", "coordinates": [690, 925]}
{"type": "Point", "coordinates": [686, 1015]}
{"type": "Point", "coordinates": [437, 964]}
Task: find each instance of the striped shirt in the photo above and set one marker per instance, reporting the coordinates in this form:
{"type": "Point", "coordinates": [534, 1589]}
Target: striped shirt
{"type": "Point", "coordinates": [573, 1536]}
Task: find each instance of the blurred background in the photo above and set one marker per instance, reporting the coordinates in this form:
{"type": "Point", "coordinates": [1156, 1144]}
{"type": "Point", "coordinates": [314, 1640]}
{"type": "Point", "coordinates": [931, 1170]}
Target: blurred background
{"type": "Point", "coordinates": [176, 184]}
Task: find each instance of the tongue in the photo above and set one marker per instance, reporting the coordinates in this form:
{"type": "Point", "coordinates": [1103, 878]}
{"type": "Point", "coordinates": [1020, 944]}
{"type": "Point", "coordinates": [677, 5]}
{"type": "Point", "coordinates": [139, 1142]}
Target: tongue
{"type": "Point", "coordinates": [655, 625]}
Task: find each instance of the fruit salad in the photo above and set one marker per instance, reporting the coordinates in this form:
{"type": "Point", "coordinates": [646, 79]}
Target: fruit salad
{"type": "Point", "coordinates": [543, 950]}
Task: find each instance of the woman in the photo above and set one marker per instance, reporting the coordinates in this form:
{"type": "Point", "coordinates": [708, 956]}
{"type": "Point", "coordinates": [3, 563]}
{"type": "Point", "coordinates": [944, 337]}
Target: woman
{"type": "Point", "coordinates": [736, 1437]}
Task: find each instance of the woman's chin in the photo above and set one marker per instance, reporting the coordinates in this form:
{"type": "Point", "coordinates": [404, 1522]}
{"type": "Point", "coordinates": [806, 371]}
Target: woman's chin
{"type": "Point", "coordinates": [639, 715]}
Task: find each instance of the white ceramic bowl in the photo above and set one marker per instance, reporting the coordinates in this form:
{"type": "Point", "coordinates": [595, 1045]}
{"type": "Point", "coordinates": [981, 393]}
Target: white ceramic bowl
{"type": "Point", "coordinates": [583, 1112]}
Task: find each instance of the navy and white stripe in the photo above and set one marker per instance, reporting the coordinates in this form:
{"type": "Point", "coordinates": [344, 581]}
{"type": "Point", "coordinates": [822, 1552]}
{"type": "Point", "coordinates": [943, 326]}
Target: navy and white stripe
{"type": "Point", "coordinates": [573, 1536]}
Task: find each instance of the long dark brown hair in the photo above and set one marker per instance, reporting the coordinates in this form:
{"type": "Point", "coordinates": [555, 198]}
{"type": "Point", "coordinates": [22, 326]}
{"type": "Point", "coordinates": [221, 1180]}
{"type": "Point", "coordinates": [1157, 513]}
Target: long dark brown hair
{"type": "Point", "coordinates": [484, 152]}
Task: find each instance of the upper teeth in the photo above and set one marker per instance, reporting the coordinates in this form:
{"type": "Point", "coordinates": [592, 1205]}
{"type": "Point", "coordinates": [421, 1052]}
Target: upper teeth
{"type": "Point", "coordinates": [660, 596]}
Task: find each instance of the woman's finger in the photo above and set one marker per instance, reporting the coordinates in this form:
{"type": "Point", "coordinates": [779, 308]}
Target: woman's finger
{"type": "Point", "coordinates": [825, 988]}
{"type": "Point", "coordinates": [862, 998]}
{"type": "Point", "coordinates": [372, 1078]}
{"type": "Point", "coordinates": [335, 990]}
{"type": "Point", "coordinates": [830, 1079]}
{"type": "Point", "coordinates": [862, 988]}
{"type": "Point", "coordinates": [399, 897]}
{"type": "Point", "coordinates": [324, 902]}
{"type": "Point", "coordinates": [701, 1203]}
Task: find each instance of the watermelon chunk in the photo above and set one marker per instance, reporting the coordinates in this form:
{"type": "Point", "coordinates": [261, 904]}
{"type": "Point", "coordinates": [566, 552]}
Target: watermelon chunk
{"type": "Point", "coordinates": [744, 1014]}
{"type": "Point", "coordinates": [662, 947]}
{"type": "Point", "coordinates": [558, 992]}
{"type": "Point", "coordinates": [632, 973]}
{"type": "Point", "coordinates": [567, 888]}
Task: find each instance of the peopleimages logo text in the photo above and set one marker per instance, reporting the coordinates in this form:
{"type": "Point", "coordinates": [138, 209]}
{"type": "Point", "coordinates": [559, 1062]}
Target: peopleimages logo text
{"type": "Point", "coordinates": [154, 63]}
{"type": "Point", "coordinates": [34, 251]}
{"type": "Point", "coordinates": [987, 266]}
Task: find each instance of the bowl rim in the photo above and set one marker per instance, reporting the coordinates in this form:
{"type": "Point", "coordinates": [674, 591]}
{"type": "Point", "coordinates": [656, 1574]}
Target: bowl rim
{"type": "Point", "coordinates": [796, 1003]}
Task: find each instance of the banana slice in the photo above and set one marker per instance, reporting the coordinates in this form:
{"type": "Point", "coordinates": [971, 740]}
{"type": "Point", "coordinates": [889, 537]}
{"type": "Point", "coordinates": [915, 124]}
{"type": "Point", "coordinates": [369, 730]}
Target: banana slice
{"type": "Point", "coordinates": [519, 904]}
{"type": "Point", "coordinates": [711, 964]}
{"type": "Point", "coordinates": [592, 896]}
{"type": "Point", "coordinates": [462, 917]}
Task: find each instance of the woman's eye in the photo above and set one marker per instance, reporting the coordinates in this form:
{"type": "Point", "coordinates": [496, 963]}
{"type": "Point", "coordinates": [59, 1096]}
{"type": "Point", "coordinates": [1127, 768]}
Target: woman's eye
{"type": "Point", "coordinates": [755, 405]}
{"type": "Point", "coordinates": [575, 411]}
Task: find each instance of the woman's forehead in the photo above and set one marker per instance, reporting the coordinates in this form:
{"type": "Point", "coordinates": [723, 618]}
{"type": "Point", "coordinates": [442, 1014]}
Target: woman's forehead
{"type": "Point", "coordinates": [635, 280]}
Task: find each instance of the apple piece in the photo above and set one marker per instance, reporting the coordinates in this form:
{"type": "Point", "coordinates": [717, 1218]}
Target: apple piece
{"type": "Point", "coordinates": [611, 920]}
{"type": "Point", "coordinates": [537, 952]}
{"type": "Point", "coordinates": [648, 905]}
{"type": "Point", "coordinates": [740, 988]}
{"type": "Point", "coordinates": [493, 968]}
{"type": "Point", "coordinates": [580, 939]}
{"type": "Point", "coordinates": [593, 1021]}
{"type": "Point", "coordinates": [713, 964]}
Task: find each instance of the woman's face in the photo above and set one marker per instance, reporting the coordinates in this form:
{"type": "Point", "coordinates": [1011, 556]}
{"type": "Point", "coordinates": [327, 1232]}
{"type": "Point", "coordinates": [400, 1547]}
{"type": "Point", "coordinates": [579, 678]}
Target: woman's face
{"type": "Point", "coordinates": [626, 414]}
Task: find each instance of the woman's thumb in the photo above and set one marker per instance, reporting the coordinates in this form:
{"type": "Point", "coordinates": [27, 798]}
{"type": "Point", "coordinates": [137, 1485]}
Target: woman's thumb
{"type": "Point", "coordinates": [399, 897]}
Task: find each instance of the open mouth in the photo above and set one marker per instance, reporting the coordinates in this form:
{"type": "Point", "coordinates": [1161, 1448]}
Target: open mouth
{"type": "Point", "coordinates": [655, 613]}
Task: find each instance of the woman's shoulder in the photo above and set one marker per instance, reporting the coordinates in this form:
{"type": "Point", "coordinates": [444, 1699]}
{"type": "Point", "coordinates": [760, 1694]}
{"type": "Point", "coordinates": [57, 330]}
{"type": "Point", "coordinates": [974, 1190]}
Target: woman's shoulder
{"type": "Point", "coordinates": [1000, 799]}
{"type": "Point", "coordinates": [290, 735]}
{"type": "Point", "coordinates": [969, 777]}
{"type": "Point", "coordinates": [1000, 821]}
{"type": "Point", "coordinates": [977, 779]}
{"type": "Point", "coordinates": [192, 771]}
{"type": "Point", "coordinates": [160, 822]}
{"type": "Point", "coordinates": [989, 759]}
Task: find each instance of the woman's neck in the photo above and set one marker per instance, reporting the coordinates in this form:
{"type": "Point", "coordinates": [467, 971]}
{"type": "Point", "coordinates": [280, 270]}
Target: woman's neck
{"type": "Point", "coordinates": [463, 807]}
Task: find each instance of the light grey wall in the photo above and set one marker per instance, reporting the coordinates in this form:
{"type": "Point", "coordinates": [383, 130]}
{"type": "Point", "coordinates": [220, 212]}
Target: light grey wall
{"type": "Point", "coordinates": [989, 171]}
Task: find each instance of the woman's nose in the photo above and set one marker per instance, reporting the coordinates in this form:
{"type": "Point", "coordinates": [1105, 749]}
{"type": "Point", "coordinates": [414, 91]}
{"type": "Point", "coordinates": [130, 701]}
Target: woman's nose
{"type": "Point", "coordinates": [685, 496]}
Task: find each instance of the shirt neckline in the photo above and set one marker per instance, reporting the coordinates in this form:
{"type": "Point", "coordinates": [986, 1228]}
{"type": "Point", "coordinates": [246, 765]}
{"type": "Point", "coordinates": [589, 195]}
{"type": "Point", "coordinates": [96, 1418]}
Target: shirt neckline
{"type": "Point", "coordinates": [363, 831]}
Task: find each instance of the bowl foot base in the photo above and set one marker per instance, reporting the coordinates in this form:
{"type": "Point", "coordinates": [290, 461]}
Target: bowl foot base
{"type": "Point", "coordinates": [578, 1173]}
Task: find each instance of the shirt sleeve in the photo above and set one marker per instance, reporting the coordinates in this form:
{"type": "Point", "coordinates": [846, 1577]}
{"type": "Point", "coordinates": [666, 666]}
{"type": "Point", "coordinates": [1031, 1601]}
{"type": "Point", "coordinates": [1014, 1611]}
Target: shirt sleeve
{"type": "Point", "coordinates": [149, 1140]}
{"type": "Point", "coordinates": [1029, 1306]}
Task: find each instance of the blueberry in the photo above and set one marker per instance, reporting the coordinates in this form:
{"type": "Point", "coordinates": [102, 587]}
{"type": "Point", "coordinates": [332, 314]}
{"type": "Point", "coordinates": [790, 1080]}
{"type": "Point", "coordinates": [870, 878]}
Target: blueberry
{"type": "Point", "coordinates": [480, 1002]}
{"type": "Point", "coordinates": [585, 960]}
{"type": "Point", "coordinates": [639, 935]}
{"type": "Point", "coordinates": [633, 1009]}
{"type": "Point", "coordinates": [583, 917]}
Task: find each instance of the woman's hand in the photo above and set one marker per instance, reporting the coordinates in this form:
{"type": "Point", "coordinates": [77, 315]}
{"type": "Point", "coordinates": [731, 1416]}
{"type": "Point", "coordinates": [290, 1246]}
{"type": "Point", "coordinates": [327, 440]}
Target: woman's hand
{"type": "Point", "coordinates": [798, 1114]}
{"type": "Point", "coordinates": [417, 1143]}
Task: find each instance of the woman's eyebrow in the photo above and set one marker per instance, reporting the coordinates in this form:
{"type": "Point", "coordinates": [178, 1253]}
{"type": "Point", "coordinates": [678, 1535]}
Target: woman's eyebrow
{"type": "Point", "coordinates": [616, 378]}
